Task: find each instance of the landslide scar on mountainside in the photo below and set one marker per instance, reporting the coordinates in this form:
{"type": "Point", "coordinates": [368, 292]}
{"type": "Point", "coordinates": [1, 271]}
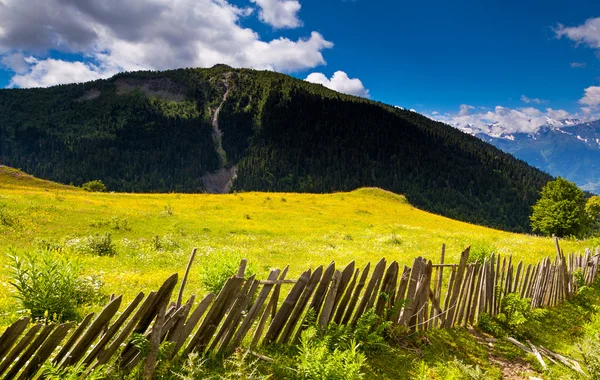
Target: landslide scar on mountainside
{"type": "Point", "coordinates": [221, 181]}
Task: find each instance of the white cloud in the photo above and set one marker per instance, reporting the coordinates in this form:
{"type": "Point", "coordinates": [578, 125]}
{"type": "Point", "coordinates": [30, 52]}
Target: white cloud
{"type": "Point", "coordinates": [587, 33]}
{"type": "Point", "coordinates": [527, 100]}
{"type": "Point", "coordinates": [340, 82]}
{"type": "Point", "coordinates": [578, 65]}
{"type": "Point", "coordinates": [15, 62]}
{"type": "Point", "coordinates": [465, 109]}
{"type": "Point", "coordinates": [591, 97]}
{"type": "Point", "coordinates": [143, 34]}
{"type": "Point", "coordinates": [50, 72]}
{"type": "Point", "coordinates": [279, 13]}
{"type": "Point", "coordinates": [503, 120]}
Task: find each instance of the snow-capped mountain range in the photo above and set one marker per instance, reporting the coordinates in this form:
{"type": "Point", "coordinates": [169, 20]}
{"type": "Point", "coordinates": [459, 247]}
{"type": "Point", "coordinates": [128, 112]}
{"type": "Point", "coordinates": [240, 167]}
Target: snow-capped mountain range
{"type": "Point", "coordinates": [569, 148]}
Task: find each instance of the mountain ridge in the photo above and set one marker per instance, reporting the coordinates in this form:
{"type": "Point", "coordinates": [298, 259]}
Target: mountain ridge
{"type": "Point", "coordinates": [570, 149]}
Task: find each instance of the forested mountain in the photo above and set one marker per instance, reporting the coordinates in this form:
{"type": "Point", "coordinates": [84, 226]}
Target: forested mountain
{"type": "Point", "coordinates": [217, 129]}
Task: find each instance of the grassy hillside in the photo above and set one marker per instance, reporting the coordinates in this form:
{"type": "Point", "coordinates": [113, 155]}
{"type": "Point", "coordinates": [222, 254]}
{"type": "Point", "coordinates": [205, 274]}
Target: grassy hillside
{"type": "Point", "coordinates": [161, 132]}
{"type": "Point", "coordinates": [153, 234]}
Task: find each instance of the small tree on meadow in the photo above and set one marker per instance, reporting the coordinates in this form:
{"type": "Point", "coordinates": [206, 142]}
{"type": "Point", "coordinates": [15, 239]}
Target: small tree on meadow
{"type": "Point", "coordinates": [592, 209]}
{"type": "Point", "coordinates": [561, 210]}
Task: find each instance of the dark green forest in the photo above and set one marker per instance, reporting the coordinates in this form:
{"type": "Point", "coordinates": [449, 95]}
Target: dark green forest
{"type": "Point", "coordinates": [152, 132]}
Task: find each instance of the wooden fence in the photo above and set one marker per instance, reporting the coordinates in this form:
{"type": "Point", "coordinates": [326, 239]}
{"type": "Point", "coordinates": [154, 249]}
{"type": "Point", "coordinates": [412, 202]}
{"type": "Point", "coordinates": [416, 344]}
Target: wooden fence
{"type": "Point", "coordinates": [249, 312]}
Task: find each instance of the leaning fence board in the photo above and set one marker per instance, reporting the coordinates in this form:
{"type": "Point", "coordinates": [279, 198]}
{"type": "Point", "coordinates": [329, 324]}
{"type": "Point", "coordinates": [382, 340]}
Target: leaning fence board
{"type": "Point", "coordinates": [263, 319]}
{"type": "Point", "coordinates": [113, 329]}
{"type": "Point", "coordinates": [45, 350]}
{"type": "Point", "coordinates": [356, 294]}
{"type": "Point", "coordinates": [31, 349]}
{"type": "Point", "coordinates": [238, 315]}
{"type": "Point", "coordinates": [92, 333]}
{"type": "Point", "coordinates": [375, 278]}
{"type": "Point", "coordinates": [301, 305]}
{"type": "Point", "coordinates": [286, 308]}
{"type": "Point", "coordinates": [19, 347]}
{"type": "Point", "coordinates": [255, 309]}
{"type": "Point", "coordinates": [9, 338]}
{"type": "Point", "coordinates": [238, 303]}
{"type": "Point", "coordinates": [455, 292]}
{"type": "Point", "coordinates": [339, 314]}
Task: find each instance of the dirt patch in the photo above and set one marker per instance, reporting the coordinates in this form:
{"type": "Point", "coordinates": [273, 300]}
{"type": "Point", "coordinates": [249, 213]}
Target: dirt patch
{"type": "Point", "coordinates": [162, 88]}
{"type": "Point", "coordinates": [219, 182]}
{"type": "Point", "coordinates": [90, 95]}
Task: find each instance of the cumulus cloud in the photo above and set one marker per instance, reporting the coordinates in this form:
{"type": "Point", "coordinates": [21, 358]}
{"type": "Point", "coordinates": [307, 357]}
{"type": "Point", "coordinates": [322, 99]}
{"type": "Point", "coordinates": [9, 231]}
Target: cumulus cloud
{"type": "Point", "coordinates": [279, 13]}
{"type": "Point", "coordinates": [587, 33]}
{"type": "Point", "coordinates": [340, 82]}
{"type": "Point", "coordinates": [527, 100]}
{"type": "Point", "coordinates": [591, 97]}
{"type": "Point", "coordinates": [132, 35]}
{"type": "Point", "coordinates": [502, 120]}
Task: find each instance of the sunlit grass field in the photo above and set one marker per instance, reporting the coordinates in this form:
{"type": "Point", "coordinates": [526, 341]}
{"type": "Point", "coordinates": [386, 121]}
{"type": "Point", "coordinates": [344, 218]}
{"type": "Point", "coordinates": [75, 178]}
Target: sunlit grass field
{"type": "Point", "coordinates": [155, 233]}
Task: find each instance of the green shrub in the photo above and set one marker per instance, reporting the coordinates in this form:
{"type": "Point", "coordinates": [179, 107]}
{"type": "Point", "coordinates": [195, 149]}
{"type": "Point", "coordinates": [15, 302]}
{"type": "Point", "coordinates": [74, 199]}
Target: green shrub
{"type": "Point", "coordinates": [516, 313]}
{"type": "Point", "coordinates": [215, 270]}
{"type": "Point", "coordinates": [102, 245]}
{"type": "Point", "coordinates": [95, 186]}
{"type": "Point", "coordinates": [490, 325]}
{"type": "Point", "coordinates": [369, 333]}
{"type": "Point", "coordinates": [480, 251]}
{"type": "Point", "coordinates": [316, 360]}
{"type": "Point", "coordinates": [51, 287]}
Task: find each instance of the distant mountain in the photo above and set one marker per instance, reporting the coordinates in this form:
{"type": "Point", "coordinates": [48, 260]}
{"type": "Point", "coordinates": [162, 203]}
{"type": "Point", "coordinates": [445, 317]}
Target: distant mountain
{"type": "Point", "coordinates": [223, 129]}
{"type": "Point", "coordinates": [566, 148]}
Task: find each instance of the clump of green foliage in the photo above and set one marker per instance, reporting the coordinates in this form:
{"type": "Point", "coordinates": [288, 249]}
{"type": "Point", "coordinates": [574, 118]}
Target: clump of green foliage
{"type": "Point", "coordinates": [216, 269]}
{"type": "Point", "coordinates": [316, 360]}
{"type": "Point", "coordinates": [95, 186]}
{"type": "Point", "coordinates": [51, 287]}
{"type": "Point", "coordinates": [102, 245]}
{"type": "Point", "coordinates": [115, 223]}
{"type": "Point", "coordinates": [52, 371]}
{"type": "Point", "coordinates": [7, 219]}
{"type": "Point", "coordinates": [480, 251]}
{"type": "Point", "coordinates": [369, 333]}
{"type": "Point", "coordinates": [515, 318]}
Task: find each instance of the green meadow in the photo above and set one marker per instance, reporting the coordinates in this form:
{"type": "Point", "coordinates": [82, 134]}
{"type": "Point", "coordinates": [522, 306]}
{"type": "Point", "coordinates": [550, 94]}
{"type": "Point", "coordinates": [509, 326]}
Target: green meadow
{"type": "Point", "coordinates": [152, 235]}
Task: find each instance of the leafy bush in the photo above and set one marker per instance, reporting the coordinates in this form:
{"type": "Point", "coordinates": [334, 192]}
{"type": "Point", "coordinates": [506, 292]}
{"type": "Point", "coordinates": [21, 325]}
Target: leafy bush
{"type": "Point", "coordinates": [102, 245]}
{"type": "Point", "coordinates": [95, 186]}
{"type": "Point", "coordinates": [480, 251]}
{"type": "Point", "coordinates": [51, 287]}
{"type": "Point", "coordinates": [516, 317]}
{"type": "Point", "coordinates": [215, 270]}
{"type": "Point", "coordinates": [369, 333]}
{"type": "Point", "coordinates": [317, 361]}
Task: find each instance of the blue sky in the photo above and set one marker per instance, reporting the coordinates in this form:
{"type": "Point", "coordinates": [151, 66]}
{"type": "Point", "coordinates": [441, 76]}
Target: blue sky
{"type": "Point", "coordinates": [457, 61]}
